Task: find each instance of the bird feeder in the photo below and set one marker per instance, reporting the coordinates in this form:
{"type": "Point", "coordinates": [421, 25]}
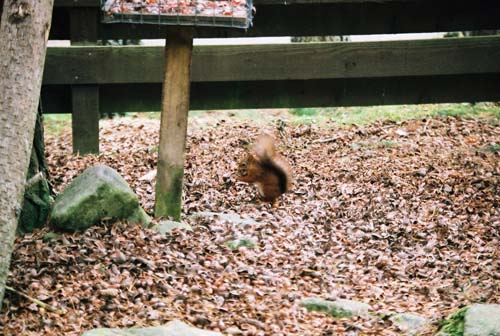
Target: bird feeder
{"type": "Point", "coordinates": [214, 13]}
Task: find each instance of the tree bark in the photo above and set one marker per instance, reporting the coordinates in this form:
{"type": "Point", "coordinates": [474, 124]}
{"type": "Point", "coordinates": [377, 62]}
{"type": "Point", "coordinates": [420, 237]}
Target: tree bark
{"type": "Point", "coordinates": [24, 30]}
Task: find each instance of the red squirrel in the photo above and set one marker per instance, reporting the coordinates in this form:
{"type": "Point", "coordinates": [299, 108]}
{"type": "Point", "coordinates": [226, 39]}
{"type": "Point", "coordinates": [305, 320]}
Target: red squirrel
{"type": "Point", "coordinates": [267, 169]}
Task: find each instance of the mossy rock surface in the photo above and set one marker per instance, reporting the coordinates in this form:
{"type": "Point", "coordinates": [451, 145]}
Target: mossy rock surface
{"type": "Point", "coordinates": [173, 328]}
{"type": "Point", "coordinates": [338, 308]}
{"type": "Point", "coordinates": [98, 193]}
{"type": "Point", "coordinates": [410, 324]}
{"type": "Point", "coordinates": [248, 242]}
{"type": "Point", "coordinates": [482, 320]}
{"type": "Point", "coordinates": [453, 325]}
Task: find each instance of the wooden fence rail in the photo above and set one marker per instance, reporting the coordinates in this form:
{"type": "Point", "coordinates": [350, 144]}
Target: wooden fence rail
{"type": "Point", "coordinates": [313, 18]}
{"type": "Point", "coordinates": [288, 75]}
{"type": "Point", "coordinates": [138, 64]}
{"type": "Point", "coordinates": [84, 80]}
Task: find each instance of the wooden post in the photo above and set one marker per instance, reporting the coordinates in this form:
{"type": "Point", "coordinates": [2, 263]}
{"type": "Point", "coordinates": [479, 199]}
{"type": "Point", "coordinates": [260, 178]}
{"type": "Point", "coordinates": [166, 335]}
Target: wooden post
{"type": "Point", "coordinates": [85, 98]}
{"type": "Point", "coordinates": [173, 126]}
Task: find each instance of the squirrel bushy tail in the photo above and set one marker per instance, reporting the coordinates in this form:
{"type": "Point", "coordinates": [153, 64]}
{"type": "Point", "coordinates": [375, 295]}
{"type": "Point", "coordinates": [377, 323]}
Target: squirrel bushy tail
{"type": "Point", "coordinates": [264, 150]}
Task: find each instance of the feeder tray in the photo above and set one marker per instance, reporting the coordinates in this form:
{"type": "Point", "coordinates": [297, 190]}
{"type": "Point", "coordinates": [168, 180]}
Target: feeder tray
{"type": "Point", "coordinates": [214, 13]}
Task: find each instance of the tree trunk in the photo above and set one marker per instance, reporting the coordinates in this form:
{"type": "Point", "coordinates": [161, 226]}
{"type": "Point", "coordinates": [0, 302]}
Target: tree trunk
{"type": "Point", "coordinates": [24, 29]}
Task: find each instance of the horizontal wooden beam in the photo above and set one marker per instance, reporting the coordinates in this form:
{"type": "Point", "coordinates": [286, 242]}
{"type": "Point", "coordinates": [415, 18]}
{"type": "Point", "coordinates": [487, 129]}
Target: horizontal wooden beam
{"type": "Point", "coordinates": [96, 3]}
{"type": "Point", "coordinates": [323, 18]}
{"type": "Point", "coordinates": [288, 94]}
{"type": "Point", "coordinates": [76, 3]}
{"type": "Point", "coordinates": [133, 64]}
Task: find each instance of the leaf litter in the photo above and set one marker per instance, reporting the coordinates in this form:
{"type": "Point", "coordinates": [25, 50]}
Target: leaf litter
{"type": "Point", "coordinates": [403, 216]}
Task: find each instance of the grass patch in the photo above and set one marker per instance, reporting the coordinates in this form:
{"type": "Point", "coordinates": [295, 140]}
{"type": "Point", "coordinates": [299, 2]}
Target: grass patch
{"type": "Point", "coordinates": [304, 112]}
{"type": "Point", "coordinates": [454, 324]}
{"type": "Point", "coordinates": [375, 145]}
{"type": "Point", "coordinates": [370, 114]}
{"type": "Point", "coordinates": [492, 148]}
{"type": "Point", "coordinates": [339, 116]}
{"type": "Point", "coordinates": [55, 124]}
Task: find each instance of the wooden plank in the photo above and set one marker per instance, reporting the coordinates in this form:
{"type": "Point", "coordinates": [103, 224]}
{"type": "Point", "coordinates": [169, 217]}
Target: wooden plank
{"type": "Point", "coordinates": [292, 93]}
{"type": "Point", "coordinates": [85, 119]}
{"type": "Point", "coordinates": [293, 2]}
{"type": "Point", "coordinates": [173, 126]}
{"type": "Point", "coordinates": [84, 23]}
{"type": "Point", "coordinates": [132, 64]}
{"type": "Point", "coordinates": [85, 98]}
{"type": "Point", "coordinates": [331, 19]}
{"type": "Point", "coordinates": [76, 3]}
{"type": "Point", "coordinates": [96, 3]}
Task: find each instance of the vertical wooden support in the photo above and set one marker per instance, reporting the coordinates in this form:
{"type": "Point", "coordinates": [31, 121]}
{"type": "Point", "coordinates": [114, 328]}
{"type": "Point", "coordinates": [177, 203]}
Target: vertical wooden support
{"type": "Point", "coordinates": [85, 118]}
{"type": "Point", "coordinates": [173, 127]}
{"type": "Point", "coordinates": [85, 98]}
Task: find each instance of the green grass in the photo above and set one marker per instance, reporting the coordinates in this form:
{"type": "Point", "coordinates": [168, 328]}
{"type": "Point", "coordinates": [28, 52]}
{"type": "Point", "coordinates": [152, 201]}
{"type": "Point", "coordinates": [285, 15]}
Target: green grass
{"type": "Point", "coordinates": [55, 124]}
{"type": "Point", "coordinates": [367, 115]}
{"type": "Point", "coordinates": [305, 112]}
{"type": "Point", "coordinates": [453, 325]}
{"type": "Point", "coordinates": [339, 116]}
{"type": "Point", "coordinates": [492, 148]}
{"type": "Point", "coordinates": [378, 144]}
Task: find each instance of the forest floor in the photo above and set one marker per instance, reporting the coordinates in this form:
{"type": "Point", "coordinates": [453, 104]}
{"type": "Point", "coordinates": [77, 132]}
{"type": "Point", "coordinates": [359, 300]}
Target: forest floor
{"type": "Point", "coordinates": [404, 216]}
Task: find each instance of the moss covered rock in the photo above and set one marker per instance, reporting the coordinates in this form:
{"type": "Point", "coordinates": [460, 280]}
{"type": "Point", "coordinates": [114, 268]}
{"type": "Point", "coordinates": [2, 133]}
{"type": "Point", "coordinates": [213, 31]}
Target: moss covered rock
{"type": "Point", "coordinates": [173, 328]}
{"type": "Point", "coordinates": [338, 308]}
{"type": "Point", "coordinates": [248, 242]}
{"type": "Point", "coordinates": [231, 217]}
{"type": "Point", "coordinates": [410, 324]}
{"type": "Point", "coordinates": [98, 193]}
{"type": "Point", "coordinates": [482, 320]}
{"type": "Point", "coordinates": [453, 325]}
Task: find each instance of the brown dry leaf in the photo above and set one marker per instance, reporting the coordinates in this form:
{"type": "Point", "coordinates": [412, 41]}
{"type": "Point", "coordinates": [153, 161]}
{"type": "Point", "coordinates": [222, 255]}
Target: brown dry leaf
{"type": "Point", "coordinates": [403, 216]}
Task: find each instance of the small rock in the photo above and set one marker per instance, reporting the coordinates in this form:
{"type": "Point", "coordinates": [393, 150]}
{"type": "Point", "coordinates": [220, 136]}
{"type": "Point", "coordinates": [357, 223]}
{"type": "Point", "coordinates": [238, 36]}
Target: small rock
{"type": "Point", "coordinates": [151, 175]}
{"type": "Point", "coordinates": [233, 218]}
{"type": "Point", "coordinates": [402, 132]}
{"type": "Point", "coordinates": [173, 328]}
{"type": "Point", "coordinates": [421, 172]}
{"type": "Point", "coordinates": [338, 308]}
{"type": "Point", "coordinates": [166, 226]}
{"type": "Point", "coordinates": [242, 242]}
{"type": "Point", "coordinates": [109, 292]}
{"type": "Point", "coordinates": [482, 320]}
{"type": "Point", "coordinates": [98, 193]}
{"type": "Point", "coordinates": [409, 323]}
{"type": "Point", "coordinates": [119, 257]}
{"type": "Point", "coordinates": [233, 331]}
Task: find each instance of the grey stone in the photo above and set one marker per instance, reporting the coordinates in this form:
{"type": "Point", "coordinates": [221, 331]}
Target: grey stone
{"type": "Point", "coordinates": [233, 218]}
{"type": "Point", "coordinates": [338, 308]}
{"type": "Point", "coordinates": [98, 193]}
{"type": "Point", "coordinates": [409, 323]}
{"type": "Point", "coordinates": [482, 320]}
{"type": "Point", "coordinates": [173, 328]}
{"type": "Point", "coordinates": [167, 226]}
{"type": "Point", "coordinates": [249, 242]}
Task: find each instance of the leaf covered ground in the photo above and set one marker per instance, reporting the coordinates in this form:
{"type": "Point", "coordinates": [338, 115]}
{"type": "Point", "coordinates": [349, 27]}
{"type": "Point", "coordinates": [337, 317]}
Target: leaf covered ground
{"type": "Point", "coordinates": [404, 216]}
